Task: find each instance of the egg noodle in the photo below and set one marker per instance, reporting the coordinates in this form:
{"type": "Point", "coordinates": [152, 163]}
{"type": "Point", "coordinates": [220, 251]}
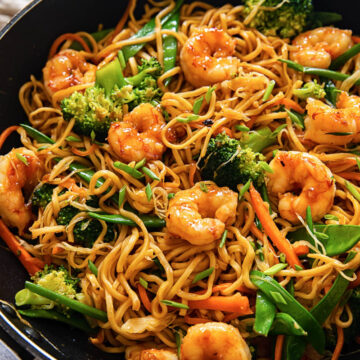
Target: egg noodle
{"type": "Point", "coordinates": [129, 257]}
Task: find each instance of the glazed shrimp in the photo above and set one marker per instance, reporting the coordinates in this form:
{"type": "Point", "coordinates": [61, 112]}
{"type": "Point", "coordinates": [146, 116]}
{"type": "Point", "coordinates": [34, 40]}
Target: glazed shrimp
{"type": "Point", "coordinates": [200, 217]}
{"type": "Point", "coordinates": [138, 136]}
{"type": "Point", "coordinates": [212, 341]}
{"type": "Point", "coordinates": [19, 169]}
{"type": "Point", "coordinates": [295, 171]}
{"type": "Point", "coordinates": [323, 120]}
{"type": "Point", "coordinates": [156, 354]}
{"type": "Point", "coordinates": [66, 69]}
{"type": "Point", "coordinates": [319, 46]}
{"type": "Point", "coordinates": [206, 57]}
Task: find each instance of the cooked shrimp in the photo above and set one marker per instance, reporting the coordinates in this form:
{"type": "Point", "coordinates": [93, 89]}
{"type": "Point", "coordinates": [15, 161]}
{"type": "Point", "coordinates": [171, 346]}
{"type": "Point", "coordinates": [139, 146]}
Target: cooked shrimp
{"type": "Point", "coordinates": [294, 172]}
{"type": "Point", "coordinates": [19, 169]}
{"type": "Point", "coordinates": [67, 68]}
{"type": "Point", "coordinates": [212, 341]}
{"type": "Point", "coordinates": [323, 121]}
{"type": "Point", "coordinates": [319, 46]}
{"type": "Point", "coordinates": [138, 136]}
{"type": "Point", "coordinates": [200, 216]}
{"type": "Point", "coordinates": [156, 354]}
{"type": "Point", "coordinates": [206, 57]}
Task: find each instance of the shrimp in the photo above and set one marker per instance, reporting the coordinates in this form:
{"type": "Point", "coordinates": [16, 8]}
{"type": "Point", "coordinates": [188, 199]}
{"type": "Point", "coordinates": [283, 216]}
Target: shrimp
{"type": "Point", "coordinates": [156, 354]}
{"type": "Point", "coordinates": [66, 69]}
{"type": "Point", "coordinates": [199, 216]}
{"type": "Point", "coordinates": [319, 46]}
{"type": "Point", "coordinates": [19, 169]}
{"type": "Point", "coordinates": [294, 172]}
{"type": "Point", "coordinates": [214, 340]}
{"type": "Point", "coordinates": [138, 136]}
{"type": "Point", "coordinates": [206, 57]}
{"type": "Point", "coordinates": [323, 121]}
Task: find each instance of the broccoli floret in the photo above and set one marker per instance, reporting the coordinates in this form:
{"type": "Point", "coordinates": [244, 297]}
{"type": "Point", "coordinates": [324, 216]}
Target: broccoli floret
{"type": "Point", "coordinates": [227, 164]}
{"type": "Point", "coordinates": [85, 231]}
{"type": "Point", "coordinates": [310, 89]}
{"type": "Point", "coordinates": [287, 20]}
{"type": "Point", "coordinates": [100, 105]}
{"type": "Point", "coordinates": [42, 195]}
{"type": "Point", "coordinates": [56, 279]}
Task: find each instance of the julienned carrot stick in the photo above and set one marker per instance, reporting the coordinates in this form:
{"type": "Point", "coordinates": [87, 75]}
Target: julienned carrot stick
{"type": "Point", "coordinates": [144, 297]}
{"type": "Point", "coordinates": [278, 347]}
{"type": "Point", "coordinates": [271, 229]}
{"type": "Point", "coordinates": [235, 303]}
{"type": "Point", "coordinates": [30, 263]}
{"type": "Point", "coordinates": [195, 320]}
{"type": "Point", "coordinates": [87, 152]}
{"type": "Point", "coordinates": [5, 134]}
{"type": "Point", "coordinates": [67, 36]}
{"type": "Point", "coordinates": [350, 175]}
{"type": "Point", "coordinates": [301, 250]}
{"type": "Point", "coordinates": [70, 184]}
{"type": "Point", "coordinates": [290, 104]}
{"type": "Point", "coordinates": [230, 317]}
{"type": "Point", "coordinates": [339, 343]}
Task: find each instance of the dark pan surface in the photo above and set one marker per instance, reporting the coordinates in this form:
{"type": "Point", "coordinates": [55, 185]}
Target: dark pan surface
{"type": "Point", "coordinates": [24, 46]}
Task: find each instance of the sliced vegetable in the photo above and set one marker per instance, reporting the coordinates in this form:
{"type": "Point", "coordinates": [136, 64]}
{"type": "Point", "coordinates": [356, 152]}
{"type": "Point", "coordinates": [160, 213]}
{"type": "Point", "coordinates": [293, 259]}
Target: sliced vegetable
{"type": "Point", "coordinates": [93, 268]}
{"type": "Point", "coordinates": [128, 169]}
{"type": "Point", "coordinates": [149, 173]}
{"type": "Point", "coordinates": [202, 275]}
{"type": "Point", "coordinates": [223, 239]}
{"type": "Point", "coordinates": [264, 314]}
{"type": "Point", "coordinates": [332, 92]}
{"type": "Point", "coordinates": [296, 118]}
{"type": "Point", "coordinates": [284, 324]}
{"type": "Point", "coordinates": [174, 304]}
{"type": "Point", "coordinates": [268, 90]}
{"type": "Point", "coordinates": [275, 269]}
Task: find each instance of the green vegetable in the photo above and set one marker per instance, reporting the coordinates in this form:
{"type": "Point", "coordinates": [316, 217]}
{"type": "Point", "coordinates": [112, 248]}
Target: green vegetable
{"type": "Point", "coordinates": [275, 269]}
{"type": "Point", "coordinates": [203, 187]}
{"type": "Point", "coordinates": [37, 135]}
{"type": "Point", "coordinates": [197, 105]}
{"type": "Point", "coordinates": [284, 324]}
{"type": "Point", "coordinates": [310, 89]}
{"type": "Point", "coordinates": [151, 222]}
{"type": "Point", "coordinates": [170, 44]}
{"type": "Point", "coordinates": [64, 300]}
{"type": "Point", "coordinates": [242, 128]}
{"type": "Point", "coordinates": [148, 192]}
{"type": "Point", "coordinates": [209, 92]}
{"type": "Point", "coordinates": [244, 189]}
{"type": "Point", "coordinates": [228, 164]}
{"type": "Point", "coordinates": [178, 342]}
{"type": "Point", "coordinates": [171, 195]}
{"type": "Point", "coordinates": [150, 174]}
{"type": "Point", "coordinates": [358, 163]}
{"type": "Point", "coordinates": [202, 275]}
{"type": "Point", "coordinates": [122, 194]}
{"type": "Point", "coordinates": [331, 92]}
{"type": "Point", "coordinates": [42, 195]}
{"type": "Point", "coordinates": [309, 220]}
{"type": "Point", "coordinates": [72, 139]}
{"type": "Point", "coordinates": [296, 118]}
{"type": "Point", "coordinates": [143, 283]}
{"type": "Point", "coordinates": [269, 90]}
{"type": "Point", "coordinates": [148, 29]}
{"type": "Point", "coordinates": [329, 74]}
{"type": "Point", "coordinates": [353, 191]}
{"type": "Point", "coordinates": [341, 238]}
{"type": "Point", "coordinates": [22, 158]}
{"type": "Point", "coordinates": [260, 139]}
{"type": "Point", "coordinates": [288, 20]}
{"type": "Point", "coordinates": [343, 58]}
{"type": "Point", "coordinates": [140, 164]}
{"type": "Point", "coordinates": [128, 169]}
{"type": "Point", "coordinates": [331, 217]}
{"type": "Point", "coordinates": [174, 304]}
{"type": "Point", "coordinates": [187, 119]}
{"type": "Point", "coordinates": [264, 314]}
{"type": "Point", "coordinates": [74, 321]}
{"type": "Point", "coordinates": [93, 268]}
{"type": "Point", "coordinates": [291, 306]}
{"type": "Point", "coordinates": [223, 239]}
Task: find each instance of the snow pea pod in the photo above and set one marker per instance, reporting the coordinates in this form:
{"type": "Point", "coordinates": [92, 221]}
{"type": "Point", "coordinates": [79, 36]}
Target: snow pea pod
{"type": "Point", "coordinates": [288, 304]}
{"type": "Point", "coordinates": [264, 314]}
{"type": "Point", "coordinates": [284, 324]}
{"type": "Point", "coordinates": [341, 238]}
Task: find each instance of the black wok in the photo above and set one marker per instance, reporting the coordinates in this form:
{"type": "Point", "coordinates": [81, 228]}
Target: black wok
{"type": "Point", "coordinates": [24, 45]}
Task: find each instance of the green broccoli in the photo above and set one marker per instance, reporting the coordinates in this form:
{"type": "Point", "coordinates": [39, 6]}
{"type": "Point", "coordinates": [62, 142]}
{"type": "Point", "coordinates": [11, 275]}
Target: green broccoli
{"type": "Point", "coordinates": [227, 164]}
{"type": "Point", "coordinates": [42, 195]}
{"type": "Point", "coordinates": [85, 231]}
{"type": "Point", "coordinates": [100, 105]}
{"type": "Point", "coordinates": [310, 89]}
{"type": "Point", "coordinates": [55, 279]}
{"type": "Point", "coordinates": [279, 18]}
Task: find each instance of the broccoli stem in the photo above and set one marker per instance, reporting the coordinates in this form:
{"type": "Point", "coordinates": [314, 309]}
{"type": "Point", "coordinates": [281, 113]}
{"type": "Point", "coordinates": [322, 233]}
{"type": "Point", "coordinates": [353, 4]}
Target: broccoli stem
{"type": "Point", "coordinates": [329, 74]}
{"type": "Point", "coordinates": [70, 303]}
{"type": "Point", "coordinates": [27, 297]}
{"type": "Point", "coordinates": [138, 78]}
{"type": "Point", "coordinates": [77, 322]}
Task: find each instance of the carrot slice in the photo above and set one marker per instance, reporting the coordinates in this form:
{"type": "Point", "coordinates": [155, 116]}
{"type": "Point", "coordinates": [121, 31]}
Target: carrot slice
{"type": "Point", "coordinates": [356, 39]}
{"type": "Point", "coordinates": [290, 104]}
{"type": "Point", "coordinates": [339, 343]}
{"type": "Point", "coordinates": [5, 134]}
{"type": "Point", "coordinates": [235, 303]}
{"type": "Point", "coordinates": [301, 250]}
{"type": "Point", "coordinates": [195, 320]}
{"type": "Point", "coordinates": [144, 297]}
{"type": "Point", "coordinates": [70, 184]}
{"type": "Point", "coordinates": [57, 250]}
{"type": "Point", "coordinates": [278, 347]}
{"type": "Point", "coordinates": [87, 152]}
{"type": "Point", "coordinates": [67, 36]}
{"type": "Point", "coordinates": [271, 229]}
{"type": "Point", "coordinates": [350, 175]}
{"type": "Point", "coordinates": [30, 263]}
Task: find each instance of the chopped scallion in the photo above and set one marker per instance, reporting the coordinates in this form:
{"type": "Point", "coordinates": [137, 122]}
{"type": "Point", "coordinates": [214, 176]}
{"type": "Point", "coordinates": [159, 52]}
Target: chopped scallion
{"type": "Point", "coordinates": [171, 195]}
{"type": "Point", "coordinates": [223, 239]}
{"type": "Point", "coordinates": [93, 268]}
{"type": "Point", "coordinates": [268, 90]}
{"type": "Point", "coordinates": [202, 275]}
{"type": "Point", "coordinates": [275, 269]}
{"type": "Point", "coordinates": [203, 187]}
{"type": "Point", "coordinates": [128, 169]}
{"type": "Point", "coordinates": [72, 139]}
{"type": "Point", "coordinates": [266, 167]}
{"type": "Point", "coordinates": [244, 189]}
{"type": "Point", "coordinates": [148, 192]}
{"type": "Point", "coordinates": [331, 217]}
{"type": "Point", "coordinates": [122, 194]}
{"type": "Point", "coordinates": [140, 164]}
{"type": "Point", "coordinates": [174, 304]}
{"type": "Point", "coordinates": [187, 119]}
{"type": "Point", "coordinates": [22, 158]}
{"type": "Point", "coordinates": [353, 191]}
{"type": "Point", "coordinates": [298, 268]}
{"type": "Point", "coordinates": [209, 93]}
{"type": "Point", "coordinates": [150, 174]}
{"type": "Point", "coordinates": [242, 128]}
{"type": "Point", "coordinates": [197, 105]}
{"type": "Point", "coordinates": [143, 283]}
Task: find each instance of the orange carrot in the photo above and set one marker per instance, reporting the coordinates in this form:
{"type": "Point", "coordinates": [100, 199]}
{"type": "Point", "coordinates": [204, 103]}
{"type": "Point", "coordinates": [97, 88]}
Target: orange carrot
{"type": "Point", "coordinates": [339, 343]}
{"type": "Point", "coordinates": [70, 184]}
{"type": "Point", "coordinates": [222, 129]}
{"type": "Point", "coordinates": [356, 39]}
{"type": "Point", "coordinates": [192, 173]}
{"type": "Point", "coordinates": [290, 104]}
{"type": "Point", "coordinates": [350, 175]}
{"type": "Point", "coordinates": [301, 250]}
{"type": "Point", "coordinates": [271, 229]}
{"type": "Point", "coordinates": [231, 316]}
{"type": "Point", "coordinates": [195, 320]}
{"type": "Point", "coordinates": [144, 297]}
{"type": "Point", "coordinates": [5, 134]}
{"type": "Point", "coordinates": [57, 250]}
{"type": "Point", "coordinates": [121, 23]}
{"type": "Point", "coordinates": [278, 347]}
{"type": "Point", "coordinates": [356, 282]}
{"type": "Point", "coordinates": [67, 36]}
{"type": "Point", "coordinates": [47, 259]}
{"type": "Point", "coordinates": [87, 152]}
{"type": "Point", "coordinates": [234, 303]}
{"type": "Point", "coordinates": [30, 263]}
